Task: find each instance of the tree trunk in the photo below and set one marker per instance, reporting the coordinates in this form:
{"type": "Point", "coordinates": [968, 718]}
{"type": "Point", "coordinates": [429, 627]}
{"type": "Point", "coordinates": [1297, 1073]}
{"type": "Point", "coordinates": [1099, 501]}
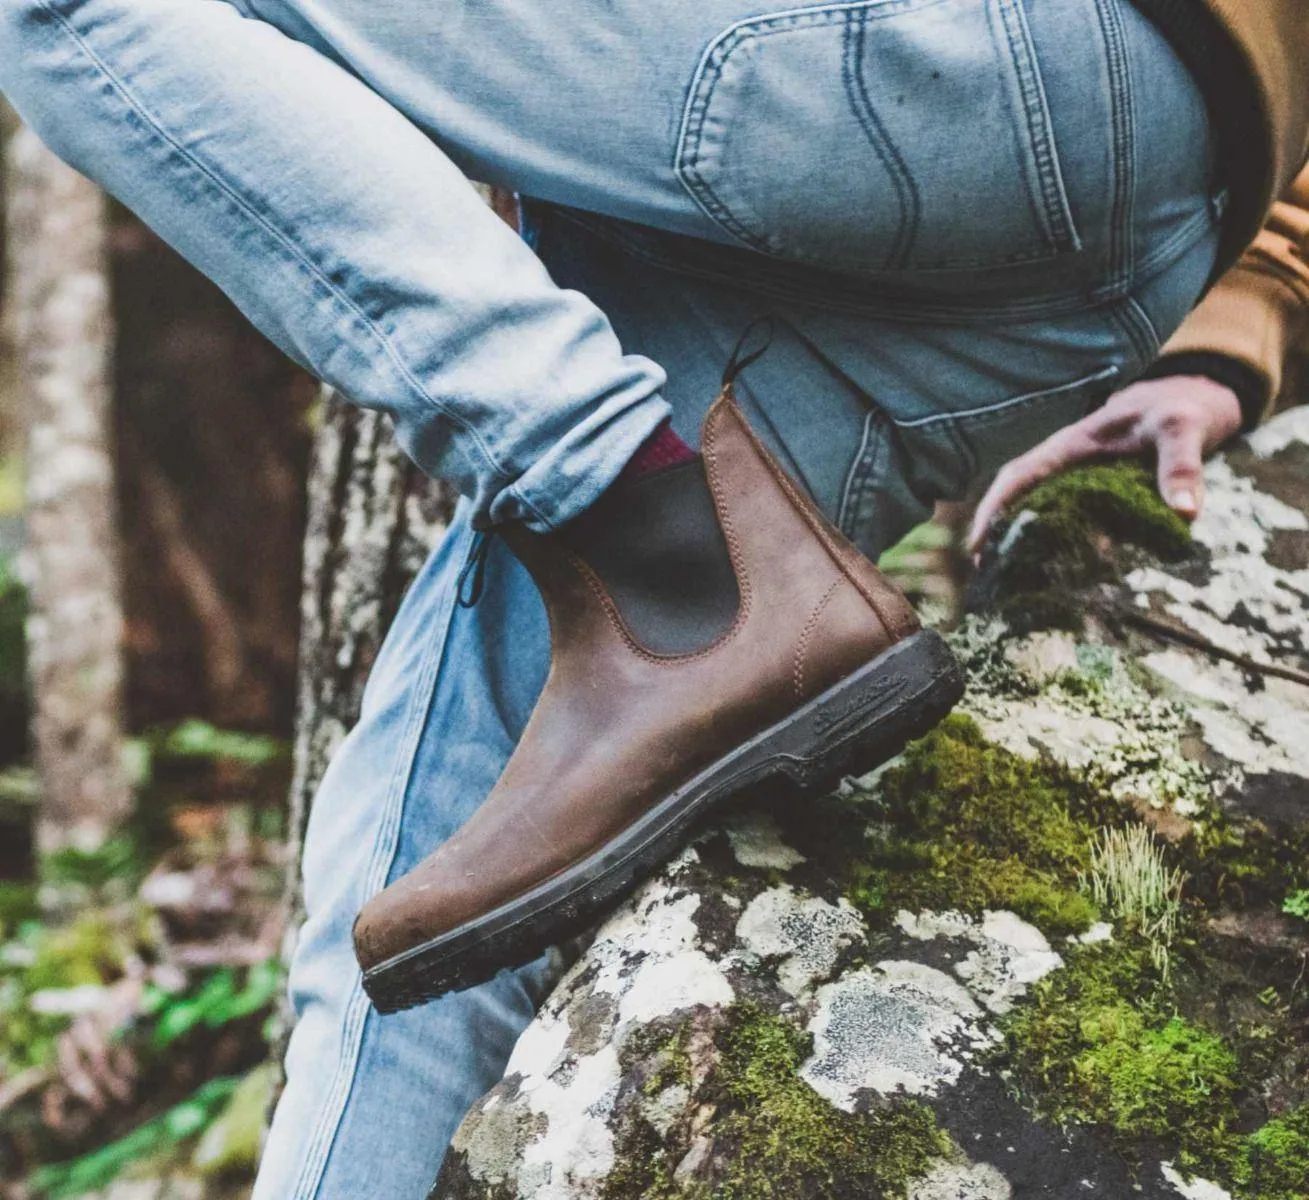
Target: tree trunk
{"type": "Point", "coordinates": [63, 336]}
{"type": "Point", "coordinates": [948, 982]}
{"type": "Point", "coordinates": [373, 519]}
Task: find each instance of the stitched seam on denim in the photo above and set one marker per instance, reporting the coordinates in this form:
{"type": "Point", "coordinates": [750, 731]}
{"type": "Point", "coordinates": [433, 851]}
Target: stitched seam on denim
{"type": "Point", "coordinates": [861, 104]}
{"type": "Point", "coordinates": [1123, 121]}
{"type": "Point", "coordinates": [871, 485]}
{"type": "Point", "coordinates": [284, 242]}
{"type": "Point", "coordinates": [385, 845]}
{"type": "Point", "coordinates": [859, 468]}
{"type": "Point", "coordinates": [1053, 212]}
{"type": "Point", "coordinates": [1129, 329]}
{"type": "Point", "coordinates": [797, 669]}
{"type": "Point", "coordinates": [611, 610]}
{"type": "Point", "coordinates": [984, 313]}
{"type": "Point", "coordinates": [1101, 376]}
{"type": "Point", "coordinates": [1172, 248]}
{"type": "Point", "coordinates": [1143, 327]}
{"type": "Point", "coordinates": [708, 75]}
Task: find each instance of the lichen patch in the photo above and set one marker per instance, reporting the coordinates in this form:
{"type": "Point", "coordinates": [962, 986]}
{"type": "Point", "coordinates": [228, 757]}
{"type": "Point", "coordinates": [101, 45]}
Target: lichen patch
{"type": "Point", "coordinates": [1008, 954]}
{"type": "Point", "coordinates": [805, 932]}
{"type": "Point", "coordinates": [577, 1145]}
{"type": "Point", "coordinates": [962, 1181]}
{"type": "Point", "coordinates": [896, 1027]}
{"type": "Point", "coordinates": [757, 842]}
{"type": "Point", "coordinates": [1193, 1189]}
{"type": "Point", "coordinates": [1260, 731]}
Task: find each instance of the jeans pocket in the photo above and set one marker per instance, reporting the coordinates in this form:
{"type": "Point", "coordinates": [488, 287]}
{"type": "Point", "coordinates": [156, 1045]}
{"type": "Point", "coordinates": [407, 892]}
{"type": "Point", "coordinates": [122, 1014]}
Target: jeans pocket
{"type": "Point", "coordinates": [891, 135]}
{"type": "Point", "coordinates": [987, 438]}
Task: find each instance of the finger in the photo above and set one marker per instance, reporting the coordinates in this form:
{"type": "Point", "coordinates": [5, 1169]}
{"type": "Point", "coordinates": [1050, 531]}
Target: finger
{"type": "Point", "coordinates": [1181, 468]}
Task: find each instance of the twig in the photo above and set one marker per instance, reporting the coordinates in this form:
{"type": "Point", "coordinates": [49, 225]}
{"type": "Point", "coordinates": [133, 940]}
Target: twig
{"type": "Point", "coordinates": [1179, 633]}
{"type": "Point", "coordinates": [23, 1084]}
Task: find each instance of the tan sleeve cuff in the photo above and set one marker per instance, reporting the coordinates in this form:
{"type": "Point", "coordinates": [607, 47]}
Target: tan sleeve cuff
{"type": "Point", "coordinates": [1250, 316]}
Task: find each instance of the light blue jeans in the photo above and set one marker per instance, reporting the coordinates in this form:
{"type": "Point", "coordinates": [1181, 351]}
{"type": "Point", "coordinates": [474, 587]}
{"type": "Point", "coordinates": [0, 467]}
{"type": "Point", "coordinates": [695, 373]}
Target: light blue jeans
{"type": "Point", "coordinates": [972, 219]}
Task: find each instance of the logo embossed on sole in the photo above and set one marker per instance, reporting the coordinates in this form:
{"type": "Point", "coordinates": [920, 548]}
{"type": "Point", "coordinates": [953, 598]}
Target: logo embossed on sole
{"type": "Point", "coordinates": [862, 705]}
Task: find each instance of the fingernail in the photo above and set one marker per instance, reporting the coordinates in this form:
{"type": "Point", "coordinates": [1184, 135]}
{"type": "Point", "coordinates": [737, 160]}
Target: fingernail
{"type": "Point", "coordinates": [1184, 500]}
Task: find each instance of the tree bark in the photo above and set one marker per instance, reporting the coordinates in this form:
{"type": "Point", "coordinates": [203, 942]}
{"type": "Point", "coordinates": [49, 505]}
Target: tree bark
{"type": "Point", "coordinates": [373, 519]}
{"type": "Point", "coordinates": [63, 335]}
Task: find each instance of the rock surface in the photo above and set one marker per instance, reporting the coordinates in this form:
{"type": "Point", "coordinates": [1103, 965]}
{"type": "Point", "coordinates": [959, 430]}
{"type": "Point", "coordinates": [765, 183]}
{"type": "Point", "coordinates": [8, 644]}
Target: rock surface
{"type": "Point", "coordinates": [915, 989]}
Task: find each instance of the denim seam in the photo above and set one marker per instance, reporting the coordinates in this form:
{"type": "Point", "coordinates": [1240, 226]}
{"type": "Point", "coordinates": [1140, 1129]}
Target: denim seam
{"type": "Point", "coordinates": [283, 241]}
{"type": "Point", "coordinates": [906, 311]}
{"type": "Point", "coordinates": [861, 104]}
{"type": "Point", "coordinates": [385, 847]}
{"type": "Point", "coordinates": [1172, 248]}
{"type": "Point", "coordinates": [857, 477]}
{"type": "Point", "coordinates": [1141, 329]}
{"type": "Point", "coordinates": [1123, 120]}
{"type": "Point", "coordinates": [1053, 212]}
{"type": "Point", "coordinates": [1102, 376]}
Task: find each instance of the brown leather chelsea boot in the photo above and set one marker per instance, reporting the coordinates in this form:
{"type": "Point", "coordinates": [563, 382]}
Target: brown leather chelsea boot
{"type": "Point", "coordinates": [710, 631]}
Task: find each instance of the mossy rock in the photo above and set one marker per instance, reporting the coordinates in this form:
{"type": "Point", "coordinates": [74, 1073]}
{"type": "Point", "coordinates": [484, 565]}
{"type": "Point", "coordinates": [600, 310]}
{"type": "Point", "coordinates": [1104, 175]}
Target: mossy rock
{"type": "Point", "coordinates": [1070, 533]}
{"type": "Point", "coordinates": [771, 1135]}
{"type": "Point", "coordinates": [917, 965]}
{"type": "Point", "coordinates": [964, 824]}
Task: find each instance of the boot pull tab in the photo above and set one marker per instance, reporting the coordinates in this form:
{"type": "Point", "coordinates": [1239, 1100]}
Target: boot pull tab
{"type": "Point", "coordinates": [760, 330]}
{"type": "Point", "coordinates": [472, 578]}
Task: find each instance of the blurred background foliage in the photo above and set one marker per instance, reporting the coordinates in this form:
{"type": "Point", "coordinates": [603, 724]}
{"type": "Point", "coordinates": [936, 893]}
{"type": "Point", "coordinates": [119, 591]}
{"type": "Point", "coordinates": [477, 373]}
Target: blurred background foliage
{"type": "Point", "coordinates": [139, 976]}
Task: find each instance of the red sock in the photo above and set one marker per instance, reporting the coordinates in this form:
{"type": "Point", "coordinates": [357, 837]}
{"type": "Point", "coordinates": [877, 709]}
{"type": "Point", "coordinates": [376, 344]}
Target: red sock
{"type": "Point", "coordinates": [661, 450]}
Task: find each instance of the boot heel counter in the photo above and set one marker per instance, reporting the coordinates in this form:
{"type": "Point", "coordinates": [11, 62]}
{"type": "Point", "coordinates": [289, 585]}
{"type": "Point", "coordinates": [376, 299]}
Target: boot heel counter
{"type": "Point", "coordinates": [892, 606]}
{"type": "Point", "coordinates": [843, 632]}
{"type": "Point", "coordinates": [888, 602]}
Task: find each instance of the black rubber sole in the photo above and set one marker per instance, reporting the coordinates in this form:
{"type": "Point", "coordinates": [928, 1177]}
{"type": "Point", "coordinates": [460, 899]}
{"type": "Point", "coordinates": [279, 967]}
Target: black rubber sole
{"type": "Point", "coordinates": [851, 728]}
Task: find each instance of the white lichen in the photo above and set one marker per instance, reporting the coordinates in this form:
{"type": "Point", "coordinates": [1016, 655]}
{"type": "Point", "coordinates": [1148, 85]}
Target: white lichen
{"type": "Point", "coordinates": [896, 1027]}
{"type": "Point", "coordinates": [804, 931]}
{"type": "Point", "coordinates": [962, 1181]}
{"type": "Point", "coordinates": [1193, 1189]}
{"type": "Point", "coordinates": [1008, 954]}
{"type": "Point", "coordinates": [757, 842]}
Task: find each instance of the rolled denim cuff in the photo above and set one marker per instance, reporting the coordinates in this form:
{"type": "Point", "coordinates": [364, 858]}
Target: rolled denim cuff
{"type": "Point", "coordinates": [576, 470]}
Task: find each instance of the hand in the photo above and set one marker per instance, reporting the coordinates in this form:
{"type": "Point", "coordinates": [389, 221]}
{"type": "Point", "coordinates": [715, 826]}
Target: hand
{"type": "Point", "coordinates": [1180, 417]}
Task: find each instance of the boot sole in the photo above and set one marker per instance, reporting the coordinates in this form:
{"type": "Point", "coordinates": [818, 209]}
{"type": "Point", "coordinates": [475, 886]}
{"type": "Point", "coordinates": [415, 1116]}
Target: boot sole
{"type": "Point", "coordinates": [851, 728]}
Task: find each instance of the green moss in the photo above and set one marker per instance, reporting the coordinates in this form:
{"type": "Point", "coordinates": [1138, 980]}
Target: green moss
{"type": "Point", "coordinates": [1120, 499]}
{"type": "Point", "coordinates": [774, 1136]}
{"type": "Point", "coordinates": [1099, 1044]}
{"type": "Point", "coordinates": [969, 825]}
{"type": "Point", "coordinates": [1082, 519]}
{"type": "Point", "coordinates": [1138, 1079]}
{"type": "Point", "coordinates": [1276, 1163]}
